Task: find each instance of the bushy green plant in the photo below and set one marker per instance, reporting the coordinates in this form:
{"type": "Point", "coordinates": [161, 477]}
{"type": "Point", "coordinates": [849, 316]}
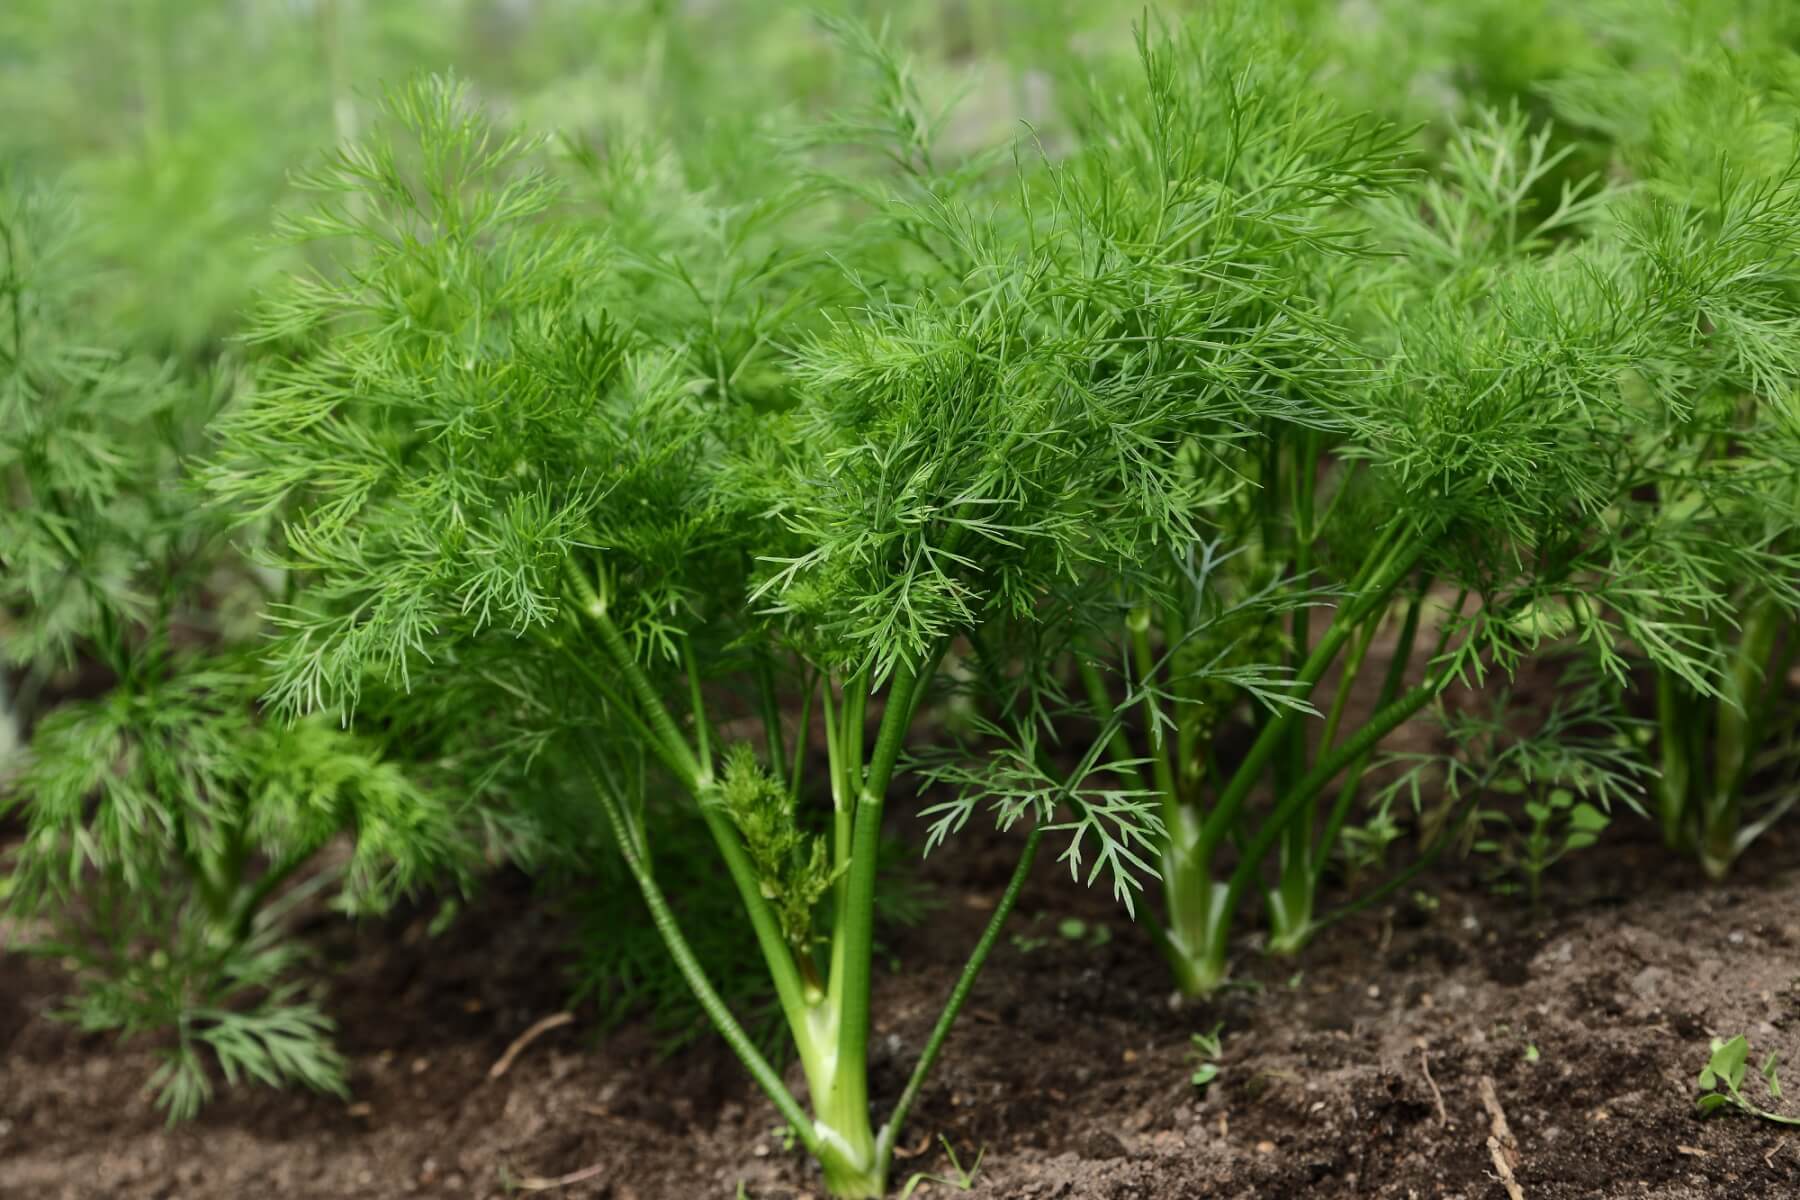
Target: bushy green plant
{"type": "Point", "coordinates": [162, 818]}
{"type": "Point", "coordinates": [161, 823]}
{"type": "Point", "coordinates": [663, 500]}
{"type": "Point", "coordinates": [1502, 342]}
{"type": "Point", "coordinates": [1692, 102]}
{"type": "Point", "coordinates": [516, 470]}
{"type": "Point", "coordinates": [1720, 158]}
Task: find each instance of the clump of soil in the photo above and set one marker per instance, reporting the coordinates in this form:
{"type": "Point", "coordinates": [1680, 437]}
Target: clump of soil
{"type": "Point", "coordinates": [1070, 1068]}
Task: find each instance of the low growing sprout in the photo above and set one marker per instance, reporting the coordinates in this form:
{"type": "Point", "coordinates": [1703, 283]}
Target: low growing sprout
{"type": "Point", "coordinates": [1555, 824]}
{"type": "Point", "coordinates": [1207, 1049]}
{"type": "Point", "coordinates": [168, 832]}
{"type": "Point", "coordinates": [1721, 1081]}
{"type": "Point", "coordinates": [959, 1179]}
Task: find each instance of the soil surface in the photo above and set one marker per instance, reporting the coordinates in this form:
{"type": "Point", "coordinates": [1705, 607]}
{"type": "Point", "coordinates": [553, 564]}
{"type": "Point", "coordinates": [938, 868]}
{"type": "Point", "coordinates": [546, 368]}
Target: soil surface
{"type": "Point", "coordinates": [1070, 1069]}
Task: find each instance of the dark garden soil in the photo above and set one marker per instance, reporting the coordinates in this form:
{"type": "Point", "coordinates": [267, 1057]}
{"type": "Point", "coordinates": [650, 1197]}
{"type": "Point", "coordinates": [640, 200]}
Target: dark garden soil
{"type": "Point", "coordinates": [1070, 1068]}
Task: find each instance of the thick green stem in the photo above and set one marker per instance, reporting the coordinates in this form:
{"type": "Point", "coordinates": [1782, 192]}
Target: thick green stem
{"type": "Point", "coordinates": [1203, 967]}
{"type": "Point", "coordinates": [272, 879]}
{"type": "Point", "coordinates": [1390, 687]}
{"type": "Point", "coordinates": [1307, 790]}
{"type": "Point", "coordinates": [691, 971]}
{"type": "Point", "coordinates": [1346, 684]}
{"type": "Point", "coordinates": [854, 972]}
{"type": "Point", "coordinates": [1290, 904]}
{"type": "Point", "coordinates": [1197, 939]}
{"type": "Point", "coordinates": [1738, 721]}
{"type": "Point", "coordinates": [1201, 908]}
{"type": "Point", "coordinates": [1740, 714]}
{"type": "Point", "coordinates": [697, 779]}
{"type": "Point", "coordinates": [803, 735]}
{"type": "Point", "coordinates": [1189, 892]}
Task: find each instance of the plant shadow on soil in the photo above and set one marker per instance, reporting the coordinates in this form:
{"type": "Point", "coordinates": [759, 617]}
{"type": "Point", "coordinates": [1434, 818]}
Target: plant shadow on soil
{"type": "Point", "coordinates": [1070, 1066]}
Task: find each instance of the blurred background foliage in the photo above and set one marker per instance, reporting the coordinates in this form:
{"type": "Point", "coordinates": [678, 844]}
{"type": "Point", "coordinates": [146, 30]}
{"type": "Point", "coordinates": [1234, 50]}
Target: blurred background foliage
{"type": "Point", "coordinates": [176, 124]}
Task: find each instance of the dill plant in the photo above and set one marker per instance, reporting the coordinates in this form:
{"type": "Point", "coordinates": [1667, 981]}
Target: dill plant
{"type": "Point", "coordinates": [163, 818]}
{"type": "Point", "coordinates": [1079, 480]}
{"type": "Point", "coordinates": [584, 499]}
{"type": "Point", "coordinates": [1495, 347]}
{"type": "Point", "coordinates": [1705, 131]}
{"type": "Point", "coordinates": [1689, 102]}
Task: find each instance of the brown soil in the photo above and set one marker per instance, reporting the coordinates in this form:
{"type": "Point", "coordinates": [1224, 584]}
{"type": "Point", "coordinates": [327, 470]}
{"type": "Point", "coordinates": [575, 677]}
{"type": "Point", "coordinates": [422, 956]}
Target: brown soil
{"type": "Point", "coordinates": [1070, 1068]}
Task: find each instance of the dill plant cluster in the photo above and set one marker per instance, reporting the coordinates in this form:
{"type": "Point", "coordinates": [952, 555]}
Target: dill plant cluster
{"type": "Point", "coordinates": [661, 508]}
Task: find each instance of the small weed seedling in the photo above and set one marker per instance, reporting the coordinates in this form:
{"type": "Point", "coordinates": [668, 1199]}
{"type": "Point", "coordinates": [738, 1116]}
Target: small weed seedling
{"type": "Point", "coordinates": [1208, 1049]}
{"type": "Point", "coordinates": [959, 1179]}
{"type": "Point", "coordinates": [1722, 1082]}
{"type": "Point", "coordinates": [1553, 826]}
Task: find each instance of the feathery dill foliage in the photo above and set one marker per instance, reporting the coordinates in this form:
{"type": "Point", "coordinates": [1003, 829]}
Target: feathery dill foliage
{"type": "Point", "coordinates": [1718, 167]}
{"type": "Point", "coordinates": [584, 469]}
{"type": "Point", "coordinates": [1520, 344]}
{"type": "Point", "coordinates": [1689, 107]}
{"type": "Point", "coordinates": [507, 454]}
{"type": "Point", "coordinates": [91, 436]}
{"type": "Point", "coordinates": [146, 812]}
{"type": "Point", "coordinates": [162, 819]}
{"type": "Point", "coordinates": [455, 414]}
{"type": "Point", "coordinates": [1033, 377]}
{"type": "Point", "coordinates": [1075, 476]}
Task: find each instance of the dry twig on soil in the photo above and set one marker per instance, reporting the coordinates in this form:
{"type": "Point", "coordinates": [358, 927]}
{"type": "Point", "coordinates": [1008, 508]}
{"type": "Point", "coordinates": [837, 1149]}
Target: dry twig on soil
{"type": "Point", "coordinates": [1437, 1096]}
{"type": "Point", "coordinates": [538, 1029]}
{"type": "Point", "coordinates": [1503, 1147]}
